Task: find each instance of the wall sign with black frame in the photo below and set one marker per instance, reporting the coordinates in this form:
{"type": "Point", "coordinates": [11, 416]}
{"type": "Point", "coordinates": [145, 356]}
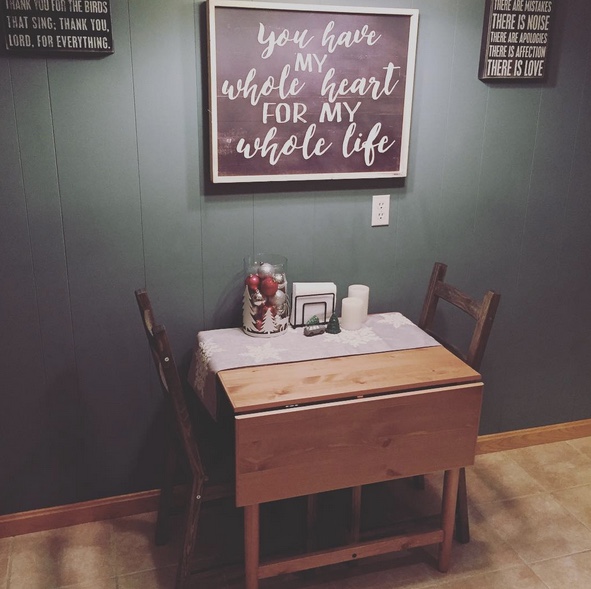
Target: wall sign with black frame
{"type": "Point", "coordinates": [57, 26]}
{"type": "Point", "coordinates": [515, 39]}
{"type": "Point", "coordinates": [309, 92]}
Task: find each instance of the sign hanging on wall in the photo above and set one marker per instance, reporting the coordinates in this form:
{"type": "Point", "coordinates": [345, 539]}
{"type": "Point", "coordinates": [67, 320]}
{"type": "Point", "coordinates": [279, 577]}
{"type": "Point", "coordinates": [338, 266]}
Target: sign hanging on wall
{"type": "Point", "coordinates": [57, 26]}
{"type": "Point", "coordinates": [309, 93]}
{"type": "Point", "coordinates": [515, 39]}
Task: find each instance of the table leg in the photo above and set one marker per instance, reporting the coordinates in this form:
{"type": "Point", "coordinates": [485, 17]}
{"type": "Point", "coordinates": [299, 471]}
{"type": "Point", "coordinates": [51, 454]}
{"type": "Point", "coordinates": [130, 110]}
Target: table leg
{"type": "Point", "coordinates": [251, 546]}
{"type": "Point", "coordinates": [448, 512]}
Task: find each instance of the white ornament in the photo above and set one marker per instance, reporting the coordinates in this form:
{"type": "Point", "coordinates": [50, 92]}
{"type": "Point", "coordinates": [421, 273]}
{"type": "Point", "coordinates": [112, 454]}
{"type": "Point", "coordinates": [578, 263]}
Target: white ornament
{"type": "Point", "coordinates": [278, 298]}
{"type": "Point", "coordinates": [265, 269]}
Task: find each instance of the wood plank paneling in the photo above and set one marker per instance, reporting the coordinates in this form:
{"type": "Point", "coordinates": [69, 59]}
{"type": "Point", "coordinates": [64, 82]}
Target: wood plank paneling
{"type": "Point", "coordinates": [284, 223]}
{"type": "Point", "coordinates": [104, 188]}
{"type": "Point", "coordinates": [97, 162]}
{"type": "Point", "coordinates": [27, 436]}
{"type": "Point", "coordinates": [419, 202]}
{"type": "Point", "coordinates": [461, 151]}
{"type": "Point", "coordinates": [170, 161]}
{"type": "Point", "coordinates": [56, 427]}
{"type": "Point", "coordinates": [509, 140]}
{"type": "Point", "coordinates": [540, 283]}
{"type": "Point", "coordinates": [574, 259]}
{"type": "Point", "coordinates": [227, 239]}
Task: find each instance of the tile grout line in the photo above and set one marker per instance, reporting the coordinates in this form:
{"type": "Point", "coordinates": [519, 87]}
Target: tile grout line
{"type": "Point", "coordinates": [9, 565]}
{"type": "Point", "coordinates": [550, 559]}
{"type": "Point", "coordinates": [113, 550]}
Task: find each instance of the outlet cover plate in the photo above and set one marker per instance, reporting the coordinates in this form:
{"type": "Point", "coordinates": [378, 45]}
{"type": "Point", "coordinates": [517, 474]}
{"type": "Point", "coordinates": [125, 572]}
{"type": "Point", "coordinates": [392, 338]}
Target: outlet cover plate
{"type": "Point", "coordinates": [380, 210]}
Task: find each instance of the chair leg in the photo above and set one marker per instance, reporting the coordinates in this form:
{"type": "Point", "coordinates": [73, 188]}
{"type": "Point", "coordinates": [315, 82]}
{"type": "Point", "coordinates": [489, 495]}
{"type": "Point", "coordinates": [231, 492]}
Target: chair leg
{"type": "Point", "coordinates": [355, 531]}
{"type": "Point", "coordinates": [311, 520]}
{"type": "Point", "coordinates": [462, 522]}
{"type": "Point", "coordinates": [165, 502]}
{"type": "Point", "coordinates": [194, 508]}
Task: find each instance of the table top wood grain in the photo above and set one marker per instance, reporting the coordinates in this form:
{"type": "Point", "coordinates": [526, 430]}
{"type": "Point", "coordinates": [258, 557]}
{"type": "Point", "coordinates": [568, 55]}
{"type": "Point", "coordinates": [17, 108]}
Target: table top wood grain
{"type": "Point", "coordinates": [274, 386]}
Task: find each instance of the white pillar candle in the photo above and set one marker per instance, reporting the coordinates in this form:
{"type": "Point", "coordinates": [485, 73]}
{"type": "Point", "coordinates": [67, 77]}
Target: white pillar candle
{"type": "Point", "coordinates": [360, 291]}
{"type": "Point", "coordinates": [351, 313]}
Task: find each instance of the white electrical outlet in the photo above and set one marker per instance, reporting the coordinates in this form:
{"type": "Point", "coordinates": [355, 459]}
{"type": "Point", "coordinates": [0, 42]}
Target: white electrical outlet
{"type": "Point", "coordinates": [380, 210]}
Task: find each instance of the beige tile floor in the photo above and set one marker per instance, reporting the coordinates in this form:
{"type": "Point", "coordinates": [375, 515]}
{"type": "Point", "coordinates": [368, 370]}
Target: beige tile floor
{"type": "Point", "coordinates": [530, 522]}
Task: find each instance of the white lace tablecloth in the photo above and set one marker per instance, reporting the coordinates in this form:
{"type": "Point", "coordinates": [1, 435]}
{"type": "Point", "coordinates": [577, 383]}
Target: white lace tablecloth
{"type": "Point", "coordinates": [221, 349]}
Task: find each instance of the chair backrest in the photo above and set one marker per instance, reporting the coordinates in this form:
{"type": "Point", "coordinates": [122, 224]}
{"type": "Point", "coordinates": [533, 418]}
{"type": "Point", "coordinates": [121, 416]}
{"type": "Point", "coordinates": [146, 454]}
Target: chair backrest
{"type": "Point", "coordinates": [481, 310]}
{"type": "Point", "coordinates": [169, 380]}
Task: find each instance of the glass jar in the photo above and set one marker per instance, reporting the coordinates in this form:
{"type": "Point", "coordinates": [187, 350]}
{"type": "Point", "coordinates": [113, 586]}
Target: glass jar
{"type": "Point", "coordinates": [265, 307]}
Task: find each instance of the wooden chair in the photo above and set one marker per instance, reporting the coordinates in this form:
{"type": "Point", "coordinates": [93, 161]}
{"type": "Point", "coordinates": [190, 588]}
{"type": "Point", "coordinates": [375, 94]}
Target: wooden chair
{"type": "Point", "coordinates": [482, 313]}
{"type": "Point", "coordinates": [182, 445]}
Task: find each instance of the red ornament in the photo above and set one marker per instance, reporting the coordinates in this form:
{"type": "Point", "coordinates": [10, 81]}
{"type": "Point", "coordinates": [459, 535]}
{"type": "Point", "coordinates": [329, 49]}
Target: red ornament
{"type": "Point", "coordinates": [258, 325]}
{"type": "Point", "coordinates": [252, 281]}
{"type": "Point", "coordinates": [269, 286]}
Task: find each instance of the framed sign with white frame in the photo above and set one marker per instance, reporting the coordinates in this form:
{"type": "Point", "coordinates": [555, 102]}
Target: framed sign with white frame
{"type": "Point", "coordinates": [301, 92]}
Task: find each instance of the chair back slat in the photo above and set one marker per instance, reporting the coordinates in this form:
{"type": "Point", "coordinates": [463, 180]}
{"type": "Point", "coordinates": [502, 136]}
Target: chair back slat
{"type": "Point", "coordinates": [483, 311]}
{"type": "Point", "coordinates": [456, 297]}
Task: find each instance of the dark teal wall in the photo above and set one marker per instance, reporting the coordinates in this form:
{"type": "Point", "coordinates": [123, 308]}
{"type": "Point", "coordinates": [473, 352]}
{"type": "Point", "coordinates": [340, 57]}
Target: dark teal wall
{"type": "Point", "coordinates": [103, 188]}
